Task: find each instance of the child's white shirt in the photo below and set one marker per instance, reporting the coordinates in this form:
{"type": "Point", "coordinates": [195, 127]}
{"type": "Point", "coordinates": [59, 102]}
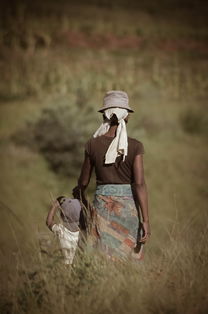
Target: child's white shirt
{"type": "Point", "coordinates": [68, 241]}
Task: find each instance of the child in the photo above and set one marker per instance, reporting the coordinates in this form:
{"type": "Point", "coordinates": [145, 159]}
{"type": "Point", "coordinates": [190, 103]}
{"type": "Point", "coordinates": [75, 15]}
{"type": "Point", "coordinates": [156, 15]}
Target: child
{"type": "Point", "coordinates": [68, 230]}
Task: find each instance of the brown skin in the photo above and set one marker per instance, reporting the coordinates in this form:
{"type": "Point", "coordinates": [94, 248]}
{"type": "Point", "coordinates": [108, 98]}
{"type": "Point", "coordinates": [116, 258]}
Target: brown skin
{"type": "Point", "coordinates": [140, 185]}
{"type": "Point", "coordinates": [141, 194]}
{"type": "Point", "coordinates": [51, 214]}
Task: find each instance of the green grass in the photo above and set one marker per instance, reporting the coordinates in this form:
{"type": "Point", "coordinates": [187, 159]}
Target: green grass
{"type": "Point", "coordinates": [168, 90]}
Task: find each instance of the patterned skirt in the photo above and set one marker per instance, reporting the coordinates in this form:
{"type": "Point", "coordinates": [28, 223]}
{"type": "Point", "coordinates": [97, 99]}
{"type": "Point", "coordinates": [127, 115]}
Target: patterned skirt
{"type": "Point", "coordinates": [117, 222]}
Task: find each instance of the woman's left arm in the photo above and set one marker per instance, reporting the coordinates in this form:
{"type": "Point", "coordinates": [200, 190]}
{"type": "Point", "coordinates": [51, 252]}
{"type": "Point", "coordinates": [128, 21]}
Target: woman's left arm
{"type": "Point", "coordinates": [142, 194]}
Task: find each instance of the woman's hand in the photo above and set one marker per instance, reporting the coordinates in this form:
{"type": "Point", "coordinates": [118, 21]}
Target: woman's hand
{"type": "Point", "coordinates": [76, 192]}
{"type": "Point", "coordinates": [147, 232]}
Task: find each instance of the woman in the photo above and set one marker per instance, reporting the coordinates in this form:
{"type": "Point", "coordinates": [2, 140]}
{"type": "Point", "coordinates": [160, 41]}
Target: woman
{"type": "Point", "coordinates": [121, 188]}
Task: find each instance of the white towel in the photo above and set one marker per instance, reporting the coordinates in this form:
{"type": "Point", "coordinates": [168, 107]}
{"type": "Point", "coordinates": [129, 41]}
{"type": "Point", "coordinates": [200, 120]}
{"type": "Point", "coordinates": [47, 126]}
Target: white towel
{"type": "Point", "coordinates": [119, 145]}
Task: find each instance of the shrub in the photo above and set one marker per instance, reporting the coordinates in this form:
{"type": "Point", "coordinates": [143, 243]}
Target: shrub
{"type": "Point", "coordinates": [193, 121]}
{"type": "Point", "coordinates": [60, 135]}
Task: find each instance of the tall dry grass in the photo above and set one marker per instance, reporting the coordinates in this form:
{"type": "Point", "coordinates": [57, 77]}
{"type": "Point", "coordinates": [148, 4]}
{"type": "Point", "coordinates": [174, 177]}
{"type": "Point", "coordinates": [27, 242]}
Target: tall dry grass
{"type": "Point", "coordinates": [172, 281]}
{"type": "Point", "coordinates": [160, 60]}
{"type": "Point", "coordinates": [72, 50]}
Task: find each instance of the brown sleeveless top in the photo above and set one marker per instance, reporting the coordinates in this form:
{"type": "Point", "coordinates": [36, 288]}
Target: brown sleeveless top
{"type": "Point", "coordinates": [118, 173]}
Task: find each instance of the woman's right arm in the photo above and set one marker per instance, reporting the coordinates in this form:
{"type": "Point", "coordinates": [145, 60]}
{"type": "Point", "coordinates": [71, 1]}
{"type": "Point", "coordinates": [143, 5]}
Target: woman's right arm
{"type": "Point", "coordinates": [84, 177]}
{"type": "Point", "coordinates": [86, 172]}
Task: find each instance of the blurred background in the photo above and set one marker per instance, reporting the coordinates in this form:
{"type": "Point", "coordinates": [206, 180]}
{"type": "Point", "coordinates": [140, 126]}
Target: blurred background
{"type": "Point", "coordinates": [57, 59]}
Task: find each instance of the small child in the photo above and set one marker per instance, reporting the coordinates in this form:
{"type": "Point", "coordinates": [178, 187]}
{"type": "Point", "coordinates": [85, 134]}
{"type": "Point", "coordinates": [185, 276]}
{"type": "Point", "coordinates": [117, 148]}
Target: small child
{"type": "Point", "coordinates": [68, 230]}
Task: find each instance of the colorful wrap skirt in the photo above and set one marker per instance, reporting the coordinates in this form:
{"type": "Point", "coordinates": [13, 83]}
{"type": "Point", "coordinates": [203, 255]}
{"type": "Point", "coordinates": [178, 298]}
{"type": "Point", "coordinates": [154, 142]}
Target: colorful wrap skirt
{"type": "Point", "coordinates": [117, 222]}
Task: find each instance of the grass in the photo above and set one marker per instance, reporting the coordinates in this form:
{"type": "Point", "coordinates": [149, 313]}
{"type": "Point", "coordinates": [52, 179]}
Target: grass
{"type": "Point", "coordinates": [165, 282]}
{"type": "Point", "coordinates": [166, 80]}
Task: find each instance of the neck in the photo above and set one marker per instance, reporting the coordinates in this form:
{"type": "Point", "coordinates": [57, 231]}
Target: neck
{"type": "Point", "coordinates": [112, 131]}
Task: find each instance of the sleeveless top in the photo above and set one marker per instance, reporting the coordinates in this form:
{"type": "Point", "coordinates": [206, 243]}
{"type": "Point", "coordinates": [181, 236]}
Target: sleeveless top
{"type": "Point", "coordinates": [120, 172]}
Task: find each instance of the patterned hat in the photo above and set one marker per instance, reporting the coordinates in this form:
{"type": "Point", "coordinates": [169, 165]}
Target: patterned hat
{"type": "Point", "coordinates": [116, 98]}
{"type": "Point", "coordinates": [70, 213]}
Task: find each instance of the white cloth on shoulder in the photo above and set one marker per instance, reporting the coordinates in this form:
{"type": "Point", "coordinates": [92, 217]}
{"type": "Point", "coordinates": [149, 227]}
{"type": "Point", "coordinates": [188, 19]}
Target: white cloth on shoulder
{"type": "Point", "coordinates": [119, 145]}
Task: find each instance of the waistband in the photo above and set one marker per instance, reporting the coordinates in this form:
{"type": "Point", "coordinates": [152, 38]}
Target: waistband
{"type": "Point", "coordinates": [114, 189]}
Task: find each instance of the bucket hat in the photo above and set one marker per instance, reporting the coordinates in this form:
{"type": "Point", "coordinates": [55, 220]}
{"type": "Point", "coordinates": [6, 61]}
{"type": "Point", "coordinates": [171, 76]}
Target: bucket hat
{"type": "Point", "coordinates": [115, 98]}
{"type": "Point", "coordinates": [70, 214]}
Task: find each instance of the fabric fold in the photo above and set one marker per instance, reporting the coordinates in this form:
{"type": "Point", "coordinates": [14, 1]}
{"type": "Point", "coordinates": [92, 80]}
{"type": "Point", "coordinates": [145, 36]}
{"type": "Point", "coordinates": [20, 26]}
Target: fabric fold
{"type": "Point", "coordinates": [119, 145]}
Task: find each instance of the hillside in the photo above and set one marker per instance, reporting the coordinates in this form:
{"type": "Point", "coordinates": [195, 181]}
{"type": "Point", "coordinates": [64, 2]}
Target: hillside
{"type": "Point", "coordinates": [56, 63]}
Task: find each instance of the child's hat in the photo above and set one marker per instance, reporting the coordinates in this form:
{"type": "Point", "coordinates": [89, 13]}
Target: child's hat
{"type": "Point", "coordinates": [71, 209]}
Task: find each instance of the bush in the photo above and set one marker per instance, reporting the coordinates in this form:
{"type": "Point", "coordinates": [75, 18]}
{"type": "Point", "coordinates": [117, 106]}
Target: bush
{"type": "Point", "coordinates": [60, 135]}
{"type": "Point", "coordinates": [193, 121]}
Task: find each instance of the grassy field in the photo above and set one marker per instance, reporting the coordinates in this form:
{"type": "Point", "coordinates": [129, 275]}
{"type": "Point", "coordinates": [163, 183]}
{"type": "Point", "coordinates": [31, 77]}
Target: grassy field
{"type": "Point", "coordinates": [63, 58]}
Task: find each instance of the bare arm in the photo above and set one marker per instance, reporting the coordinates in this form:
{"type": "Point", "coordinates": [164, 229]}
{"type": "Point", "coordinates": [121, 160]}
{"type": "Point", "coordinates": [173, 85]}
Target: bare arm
{"type": "Point", "coordinates": [84, 178]}
{"type": "Point", "coordinates": [141, 193]}
{"type": "Point", "coordinates": [86, 172]}
{"type": "Point", "coordinates": [51, 214]}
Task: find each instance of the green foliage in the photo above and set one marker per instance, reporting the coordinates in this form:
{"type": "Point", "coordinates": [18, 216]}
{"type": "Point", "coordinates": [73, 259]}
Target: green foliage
{"type": "Point", "coordinates": [59, 135]}
{"type": "Point", "coordinates": [194, 121]}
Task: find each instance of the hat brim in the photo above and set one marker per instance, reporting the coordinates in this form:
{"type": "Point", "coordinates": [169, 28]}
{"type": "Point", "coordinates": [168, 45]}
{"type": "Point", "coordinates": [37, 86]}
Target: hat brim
{"type": "Point", "coordinates": [104, 108]}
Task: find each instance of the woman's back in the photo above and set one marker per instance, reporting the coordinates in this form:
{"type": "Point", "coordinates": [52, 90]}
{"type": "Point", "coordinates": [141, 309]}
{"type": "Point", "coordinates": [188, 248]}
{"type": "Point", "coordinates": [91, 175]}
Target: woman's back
{"type": "Point", "coordinates": [119, 172]}
{"type": "Point", "coordinates": [118, 163]}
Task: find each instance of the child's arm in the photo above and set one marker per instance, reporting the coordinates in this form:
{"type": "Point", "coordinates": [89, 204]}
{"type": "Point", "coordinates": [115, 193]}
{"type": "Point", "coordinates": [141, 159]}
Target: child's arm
{"type": "Point", "coordinates": [51, 214]}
